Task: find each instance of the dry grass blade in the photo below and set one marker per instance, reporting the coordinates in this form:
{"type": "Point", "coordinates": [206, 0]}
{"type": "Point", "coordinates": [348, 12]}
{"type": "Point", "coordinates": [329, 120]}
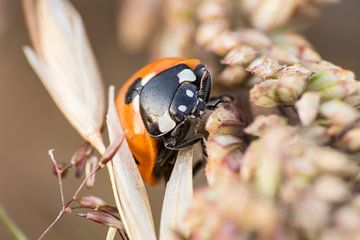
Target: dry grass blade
{"type": "Point", "coordinates": [111, 233]}
{"type": "Point", "coordinates": [178, 196]}
{"type": "Point", "coordinates": [66, 65]}
{"type": "Point", "coordinates": [64, 61]}
{"type": "Point", "coordinates": [29, 7]}
{"type": "Point", "coordinates": [11, 226]}
{"type": "Point", "coordinates": [135, 209]}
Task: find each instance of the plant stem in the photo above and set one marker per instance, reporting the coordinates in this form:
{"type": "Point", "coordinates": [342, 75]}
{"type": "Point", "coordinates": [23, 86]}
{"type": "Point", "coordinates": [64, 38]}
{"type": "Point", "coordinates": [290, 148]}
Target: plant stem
{"type": "Point", "coordinates": [18, 234]}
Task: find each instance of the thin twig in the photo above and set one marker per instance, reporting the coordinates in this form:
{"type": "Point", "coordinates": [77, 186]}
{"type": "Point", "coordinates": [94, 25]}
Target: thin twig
{"type": "Point", "coordinates": [58, 174]}
{"type": "Point", "coordinates": [65, 206]}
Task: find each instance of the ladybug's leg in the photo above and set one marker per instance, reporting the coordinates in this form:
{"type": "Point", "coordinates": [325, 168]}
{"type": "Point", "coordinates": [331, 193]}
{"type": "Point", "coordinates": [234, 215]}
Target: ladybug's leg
{"type": "Point", "coordinates": [170, 141]}
{"type": "Point", "coordinates": [177, 139]}
{"type": "Point", "coordinates": [164, 163]}
{"type": "Point", "coordinates": [215, 101]}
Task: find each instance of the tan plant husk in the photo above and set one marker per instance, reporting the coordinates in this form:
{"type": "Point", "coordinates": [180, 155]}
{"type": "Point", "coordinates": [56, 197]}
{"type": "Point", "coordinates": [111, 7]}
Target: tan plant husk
{"type": "Point", "coordinates": [134, 204]}
{"type": "Point", "coordinates": [178, 197]}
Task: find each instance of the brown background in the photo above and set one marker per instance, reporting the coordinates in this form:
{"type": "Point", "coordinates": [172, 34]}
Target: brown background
{"type": "Point", "coordinates": [30, 123]}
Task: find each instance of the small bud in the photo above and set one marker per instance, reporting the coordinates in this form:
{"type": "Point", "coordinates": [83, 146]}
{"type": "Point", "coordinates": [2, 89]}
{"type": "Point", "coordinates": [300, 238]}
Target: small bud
{"type": "Point", "coordinates": [282, 55]}
{"type": "Point", "coordinates": [223, 43]}
{"type": "Point", "coordinates": [292, 81]}
{"type": "Point", "coordinates": [226, 119]}
{"type": "Point", "coordinates": [264, 67]}
{"type": "Point", "coordinates": [103, 218]}
{"type": "Point", "coordinates": [308, 54]}
{"type": "Point", "coordinates": [311, 214]}
{"type": "Point", "coordinates": [81, 154]}
{"type": "Point", "coordinates": [285, 89]}
{"type": "Point", "coordinates": [331, 161]}
{"type": "Point", "coordinates": [332, 109]}
{"type": "Point", "coordinates": [79, 169]}
{"type": "Point", "coordinates": [207, 32]}
{"type": "Point", "coordinates": [331, 189]}
{"type": "Point", "coordinates": [254, 38]}
{"type": "Point", "coordinates": [264, 94]}
{"type": "Point", "coordinates": [263, 123]}
{"type": "Point", "coordinates": [211, 10]}
{"type": "Point", "coordinates": [351, 140]}
{"type": "Point", "coordinates": [97, 204]}
{"type": "Point", "coordinates": [108, 209]}
{"type": "Point", "coordinates": [272, 14]}
{"type": "Point", "coordinates": [232, 75]}
{"type": "Point", "coordinates": [353, 96]}
{"type": "Point", "coordinates": [289, 38]}
{"type": "Point", "coordinates": [347, 218]}
{"type": "Point", "coordinates": [334, 83]}
{"type": "Point", "coordinates": [79, 158]}
{"type": "Point", "coordinates": [91, 202]}
{"type": "Point", "coordinates": [308, 107]}
{"type": "Point", "coordinates": [223, 153]}
{"type": "Point", "coordinates": [90, 167]}
{"type": "Point", "coordinates": [240, 56]}
{"type": "Point", "coordinates": [111, 150]}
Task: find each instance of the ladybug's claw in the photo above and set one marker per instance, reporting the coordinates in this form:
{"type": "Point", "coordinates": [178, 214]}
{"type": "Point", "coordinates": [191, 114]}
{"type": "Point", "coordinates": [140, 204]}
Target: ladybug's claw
{"type": "Point", "coordinates": [215, 101]}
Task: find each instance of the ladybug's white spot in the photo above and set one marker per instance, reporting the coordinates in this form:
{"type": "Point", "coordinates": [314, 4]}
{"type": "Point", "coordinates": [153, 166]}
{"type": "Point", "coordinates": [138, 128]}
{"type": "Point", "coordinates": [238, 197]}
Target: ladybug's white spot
{"type": "Point", "coordinates": [189, 93]}
{"type": "Point", "coordinates": [147, 78]}
{"type": "Point", "coordinates": [186, 75]}
{"type": "Point", "coordinates": [138, 129]}
{"type": "Point", "coordinates": [182, 108]}
{"type": "Point", "coordinates": [166, 123]}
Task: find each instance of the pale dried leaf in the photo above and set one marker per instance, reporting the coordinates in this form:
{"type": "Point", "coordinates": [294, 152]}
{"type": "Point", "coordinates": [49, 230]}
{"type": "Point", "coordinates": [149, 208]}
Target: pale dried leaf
{"type": "Point", "coordinates": [135, 209]}
{"type": "Point", "coordinates": [308, 107]}
{"type": "Point", "coordinates": [67, 67]}
{"type": "Point", "coordinates": [178, 196]}
{"type": "Point", "coordinates": [111, 234]}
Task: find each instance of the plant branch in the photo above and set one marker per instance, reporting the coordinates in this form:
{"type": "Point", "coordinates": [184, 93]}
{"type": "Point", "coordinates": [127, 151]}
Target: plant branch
{"type": "Point", "coordinates": [107, 156]}
{"type": "Point", "coordinates": [18, 234]}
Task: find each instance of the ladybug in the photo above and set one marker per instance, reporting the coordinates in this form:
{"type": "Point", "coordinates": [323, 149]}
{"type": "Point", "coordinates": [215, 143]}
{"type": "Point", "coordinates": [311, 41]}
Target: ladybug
{"type": "Point", "coordinates": [160, 107]}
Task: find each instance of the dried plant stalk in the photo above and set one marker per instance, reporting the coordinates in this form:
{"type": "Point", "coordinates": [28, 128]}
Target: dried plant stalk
{"type": "Point", "coordinates": [66, 66]}
{"type": "Point", "coordinates": [134, 205]}
{"type": "Point", "coordinates": [178, 197]}
{"type": "Point", "coordinates": [5, 219]}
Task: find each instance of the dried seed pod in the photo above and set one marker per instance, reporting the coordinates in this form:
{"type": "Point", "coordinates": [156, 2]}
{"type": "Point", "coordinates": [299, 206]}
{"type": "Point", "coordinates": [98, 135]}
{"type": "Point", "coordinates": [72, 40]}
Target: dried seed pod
{"type": "Point", "coordinates": [209, 30]}
{"type": "Point", "coordinates": [308, 107]}
{"type": "Point", "coordinates": [331, 189]}
{"type": "Point", "coordinates": [91, 202]}
{"type": "Point", "coordinates": [263, 123]}
{"type": "Point", "coordinates": [333, 83]}
{"type": "Point", "coordinates": [271, 14]}
{"type": "Point", "coordinates": [90, 166]}
{"type": "Point", "coordinates": [232, 75]}
{"type": "Point", "coordinates": [264, 67]}
{"type": "Point", "coordinates": [103, 218]}
{"type": "Point", "coordinates": [331, 111]}
{"type": "Point", "coordinates": [81, 154]}
{"type": "Point", "coordinates": [350, 141]}
{"type": "Point", "coordinates": [240, 56]}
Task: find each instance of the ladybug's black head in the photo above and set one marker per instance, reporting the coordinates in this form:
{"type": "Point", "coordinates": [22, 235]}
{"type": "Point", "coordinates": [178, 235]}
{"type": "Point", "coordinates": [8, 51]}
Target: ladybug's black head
{"type": "Point", "coordinates": [187, 103]}
{"type": "Point", "coordinates": [173, 96]}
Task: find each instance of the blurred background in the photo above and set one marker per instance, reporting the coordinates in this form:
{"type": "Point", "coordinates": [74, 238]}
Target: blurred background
{"type": "Point", "coordinates": [30, 123]}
